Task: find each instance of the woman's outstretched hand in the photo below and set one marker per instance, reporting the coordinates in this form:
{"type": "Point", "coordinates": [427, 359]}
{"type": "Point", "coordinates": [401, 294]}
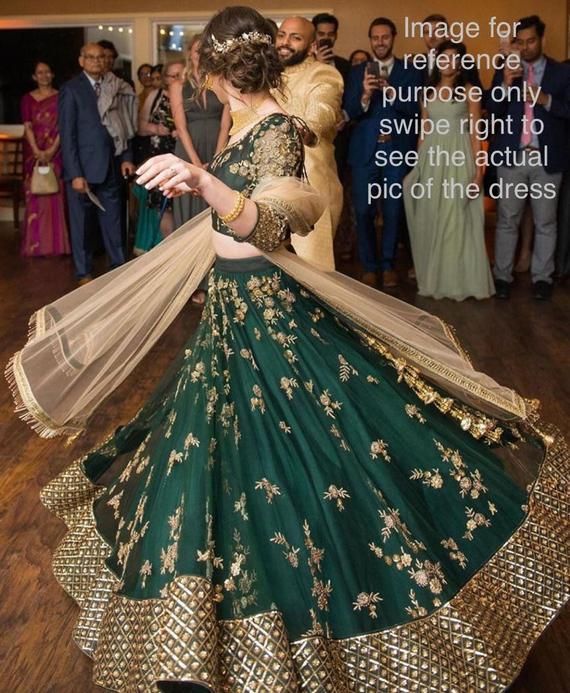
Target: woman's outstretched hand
{"type": "Point", "coordinates": [171, 175]}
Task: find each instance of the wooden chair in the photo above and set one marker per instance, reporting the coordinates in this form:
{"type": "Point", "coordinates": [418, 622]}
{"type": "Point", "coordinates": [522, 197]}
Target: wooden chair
{"type": "Point", "coordinates": [12, 172]}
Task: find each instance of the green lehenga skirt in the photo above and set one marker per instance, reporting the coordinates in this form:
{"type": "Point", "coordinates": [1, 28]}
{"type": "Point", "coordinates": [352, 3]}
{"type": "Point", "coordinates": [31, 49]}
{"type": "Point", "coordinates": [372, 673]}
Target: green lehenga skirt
{"type": "Point", "coordinates": [291, 512]}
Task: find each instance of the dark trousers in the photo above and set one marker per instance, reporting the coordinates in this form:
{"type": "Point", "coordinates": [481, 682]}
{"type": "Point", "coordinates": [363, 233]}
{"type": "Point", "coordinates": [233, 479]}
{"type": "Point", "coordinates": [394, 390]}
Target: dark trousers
{"type": "Point", "coordinates": [365, 213]}
{"type": "Point", "coordinates": [109, 194]}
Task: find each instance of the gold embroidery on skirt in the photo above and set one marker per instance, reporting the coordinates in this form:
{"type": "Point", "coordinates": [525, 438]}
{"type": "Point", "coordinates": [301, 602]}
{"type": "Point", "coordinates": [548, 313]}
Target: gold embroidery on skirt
{"type": "Point", "coordinates": [477, 641]}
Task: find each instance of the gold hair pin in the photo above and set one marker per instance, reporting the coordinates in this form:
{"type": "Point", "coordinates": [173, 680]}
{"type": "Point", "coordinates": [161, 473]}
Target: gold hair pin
{"type": "Point", "coordinates": [246, 37]}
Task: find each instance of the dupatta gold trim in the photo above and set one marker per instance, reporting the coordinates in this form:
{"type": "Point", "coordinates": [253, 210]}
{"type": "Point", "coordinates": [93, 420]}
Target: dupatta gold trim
{"type": "Point", "coordinates": [478, 640]}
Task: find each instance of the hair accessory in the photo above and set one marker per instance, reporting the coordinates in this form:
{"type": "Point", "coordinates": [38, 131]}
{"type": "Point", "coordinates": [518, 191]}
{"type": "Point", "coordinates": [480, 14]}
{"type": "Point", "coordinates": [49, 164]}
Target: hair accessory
{"type": "Point", "coordinates": [246, 37]}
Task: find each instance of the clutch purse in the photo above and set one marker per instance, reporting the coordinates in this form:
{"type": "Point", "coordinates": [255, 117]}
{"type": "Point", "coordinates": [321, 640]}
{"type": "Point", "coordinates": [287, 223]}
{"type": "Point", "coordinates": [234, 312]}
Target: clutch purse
{"type": "Point", "coordinates": [44, 181]}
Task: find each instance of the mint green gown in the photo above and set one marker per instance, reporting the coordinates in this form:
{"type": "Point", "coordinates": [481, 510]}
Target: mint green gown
{"type": "Point", "coordinates": [291, 512]}
{"type": "Point", "coordinates": [447, 231]}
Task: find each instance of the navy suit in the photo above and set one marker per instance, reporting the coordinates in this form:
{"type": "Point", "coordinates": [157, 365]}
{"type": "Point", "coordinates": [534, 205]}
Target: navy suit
{"type": "Point", "coordinates": [361, 158]}
{"type": "Point", "coordinates": [88, 152]}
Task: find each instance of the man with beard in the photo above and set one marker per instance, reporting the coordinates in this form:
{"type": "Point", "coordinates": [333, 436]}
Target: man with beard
{"type": "Point", "coordinates": [313, 92]}
{"type": "Point", "coordinates": [366, 102]}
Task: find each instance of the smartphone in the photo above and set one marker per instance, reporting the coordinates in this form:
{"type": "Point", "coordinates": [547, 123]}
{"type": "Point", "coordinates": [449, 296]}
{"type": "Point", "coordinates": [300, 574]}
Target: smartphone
{"type": "Point", "coordinates": [373, 68]}
{"type": "Point", "coordinates": [325, 43]}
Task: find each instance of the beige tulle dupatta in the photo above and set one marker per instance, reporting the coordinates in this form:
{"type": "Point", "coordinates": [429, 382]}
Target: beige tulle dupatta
{"type": "Point", "coordinates": [420, 340]}
{"type": "Point", "coordinates": [82, 346]}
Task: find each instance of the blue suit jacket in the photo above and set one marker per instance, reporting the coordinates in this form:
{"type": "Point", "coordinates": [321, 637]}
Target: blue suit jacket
{"type": "Point", "coordinates": [556, 82]}
{"type": "Point", "coordinates": [363, 141]}
{"type": "Point", "coordinates": [86, 146]}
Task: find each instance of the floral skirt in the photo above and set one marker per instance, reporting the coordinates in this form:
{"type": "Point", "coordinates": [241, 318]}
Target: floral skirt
{"type": "Point", "coordinates": [290, 512]}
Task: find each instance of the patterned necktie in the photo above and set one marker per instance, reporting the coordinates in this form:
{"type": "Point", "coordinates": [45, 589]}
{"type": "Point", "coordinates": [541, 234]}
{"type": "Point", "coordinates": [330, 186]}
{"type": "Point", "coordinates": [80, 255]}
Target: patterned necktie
{"type": "Point", "coordinates": [526, 138]}
{"type": "Point", "coordinates": [97, 87]}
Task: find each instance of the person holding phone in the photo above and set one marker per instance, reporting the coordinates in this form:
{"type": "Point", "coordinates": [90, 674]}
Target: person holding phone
{"type": "Point", "coordinates": [546, 98]}
{"type": "Point", "coordinates": [326, 31]}
{"type": "Point", "coordinates": [364, 102]}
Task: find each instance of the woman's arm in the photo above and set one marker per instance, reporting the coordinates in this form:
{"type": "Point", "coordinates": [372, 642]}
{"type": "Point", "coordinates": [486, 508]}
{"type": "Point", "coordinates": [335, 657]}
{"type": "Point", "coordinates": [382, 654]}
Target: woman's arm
{"type": "Point", "coordinates": [29, 133]}
{"type": "Point", "coordinates": [225, 125]}
{"type": "Point", "coordinates": [476, 144]}
{"type": "Point", "coordinates": [180, 124]}
{"type": "Point", "coordinates": [176, 177]}
{"type": "Point", "coordinates": [146, 128]}
{"type": "Point", "coordinates": [425, 117]}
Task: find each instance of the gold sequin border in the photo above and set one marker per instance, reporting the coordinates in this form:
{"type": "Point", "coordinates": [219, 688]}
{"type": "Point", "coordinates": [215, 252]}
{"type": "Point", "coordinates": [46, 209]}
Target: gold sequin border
{"type": "Point", "coordinates": [478, 641]}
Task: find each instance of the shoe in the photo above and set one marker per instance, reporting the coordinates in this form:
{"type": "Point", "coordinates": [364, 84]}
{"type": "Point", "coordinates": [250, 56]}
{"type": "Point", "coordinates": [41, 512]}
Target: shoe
{"type": "Point", "coordinates": [502, 289]}
{"type": "Point", "coordinates": [389, 279]}
{"type": "Point", "coordinates": [542, 291]}
{"type": "Point", "coordinates": [85, 280]}
{"type": "Point", "coordinates": [370, 279]}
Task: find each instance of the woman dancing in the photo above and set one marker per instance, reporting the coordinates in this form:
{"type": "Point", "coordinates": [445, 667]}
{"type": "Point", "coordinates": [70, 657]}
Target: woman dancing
{"type": "Point", "coordinates": [322, 494]}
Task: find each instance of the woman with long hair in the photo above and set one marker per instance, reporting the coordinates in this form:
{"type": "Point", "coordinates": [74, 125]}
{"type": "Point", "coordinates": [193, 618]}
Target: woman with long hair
{"type": "Point", "coordinates": [45, 228]}
{"type": "Point", "coordinates": [322, 493]}
{"type": "Point", "coordinates": [156, 124]}
{"type": "Point", "coordinates": [444, 202]}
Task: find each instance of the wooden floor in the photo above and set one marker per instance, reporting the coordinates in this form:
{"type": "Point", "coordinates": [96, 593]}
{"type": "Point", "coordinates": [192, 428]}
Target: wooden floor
{"type": "Point", "coordinates": [522, 343]}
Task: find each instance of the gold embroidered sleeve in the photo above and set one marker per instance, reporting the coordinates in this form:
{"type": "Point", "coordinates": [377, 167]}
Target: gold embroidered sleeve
{"type": "Point", "coordinates": [270, 230]}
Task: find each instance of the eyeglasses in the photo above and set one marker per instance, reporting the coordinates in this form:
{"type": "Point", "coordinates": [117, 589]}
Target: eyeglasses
{"type": "Point", "coordinates": [93, 57]}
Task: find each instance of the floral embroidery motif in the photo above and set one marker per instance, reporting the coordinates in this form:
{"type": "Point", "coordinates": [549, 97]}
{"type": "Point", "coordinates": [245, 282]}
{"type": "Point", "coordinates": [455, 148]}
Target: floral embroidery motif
{"type": "Point", "coordinates": [346, 371]}
{"type": "Point", "coordinates": [271, 490]}
{"type": "Point", "coordinates": [316, 335]}
{"type": "Point", "coordinates": [336, 494]}
{"type": "Point", "coordinates": [470, 483]}
{"type": "Point", "coordinates": [208, 556]}
{"type": "Point", "coordinates": [288, 385]}
{"type": "Point", "coordinates": [171, 420]}
{"type": "Point", "coordinates": [329, 405]}
{"type": "Point", "coordinates": [429, 575]}
{"type": "Point", "coordinates": [431, 478]}
{"type": "Point", "coordinates": [144, 572]}
{"type": "Point", "coordinates": [371, 379]}
{"type": "Point", "coordinates": [379, 448]}
{"type": "Point", "coordinates": [454, 553]}
{"type": "Point", "coordinates": [257, 401]}
{"type": "Point", "coordinates": [415, 611]}
{"type": "Point", "coordinates": [248, 356]}
{"type": "Point", "coordinates": [474, 520]}
{"type": "Point", "coordinates": [169, 556]}
{"type": "Point", "coordinates": [337, 434]}
{"type": "Point", "coordinates": [290, 553]}
{"type": "Point", "coordinates": [321, 590]}
{"type": "Point", "coordinates": [284, 427]}
{"type": "Point", "coordinates": [199, 373]}
{"type": "Point", "coordinates": [240, 580]}
{"type": "Point", "coordinates": [367, 600]}
{"type": "Point", "coordinates": [240, 507]}
{"type": "Point", "coordinates": [414, 413]}
{"type": "Point", "coordinates": [115, 503]}
{"type": "Point", "coordinates": [317, 314]}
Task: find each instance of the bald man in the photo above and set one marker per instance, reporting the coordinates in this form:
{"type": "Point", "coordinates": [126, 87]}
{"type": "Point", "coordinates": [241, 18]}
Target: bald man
{"type": "Point", "coordinates": [96, 124]}
{"type": "Point", "coordinates": [313, 92]}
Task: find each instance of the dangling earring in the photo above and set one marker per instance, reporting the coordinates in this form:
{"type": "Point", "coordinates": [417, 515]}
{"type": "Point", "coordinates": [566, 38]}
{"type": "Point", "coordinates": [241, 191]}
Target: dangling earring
{"type": "Point", "coordinates": [207, 82]}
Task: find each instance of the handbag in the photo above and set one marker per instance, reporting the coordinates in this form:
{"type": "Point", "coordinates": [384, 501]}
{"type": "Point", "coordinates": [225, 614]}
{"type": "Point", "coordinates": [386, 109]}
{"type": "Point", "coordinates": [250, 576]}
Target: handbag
{"type": "Point", "coordinates": [44, 181]}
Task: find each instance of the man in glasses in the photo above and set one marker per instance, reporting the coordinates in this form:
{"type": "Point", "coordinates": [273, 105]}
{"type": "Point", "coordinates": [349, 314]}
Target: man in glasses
{"type": "Point", "coordinates": [96, 125]}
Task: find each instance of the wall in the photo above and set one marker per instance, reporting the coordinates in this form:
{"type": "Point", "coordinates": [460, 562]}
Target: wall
{"type": "Point", "coordinates": [354, 17]}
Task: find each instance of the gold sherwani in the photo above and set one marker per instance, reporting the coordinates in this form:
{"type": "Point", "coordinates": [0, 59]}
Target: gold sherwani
{"type": "Point", "coordinates": [313, 92]}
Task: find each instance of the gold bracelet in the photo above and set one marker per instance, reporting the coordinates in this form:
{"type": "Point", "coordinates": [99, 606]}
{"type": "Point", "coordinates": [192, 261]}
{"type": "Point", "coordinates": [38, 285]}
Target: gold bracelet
{"type": "Point", "coordinates": [236, 211]}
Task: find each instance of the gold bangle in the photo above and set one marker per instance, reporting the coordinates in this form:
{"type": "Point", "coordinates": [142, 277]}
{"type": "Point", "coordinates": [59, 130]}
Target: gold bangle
{"type": "Point", "coordinates": [236, 211]}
